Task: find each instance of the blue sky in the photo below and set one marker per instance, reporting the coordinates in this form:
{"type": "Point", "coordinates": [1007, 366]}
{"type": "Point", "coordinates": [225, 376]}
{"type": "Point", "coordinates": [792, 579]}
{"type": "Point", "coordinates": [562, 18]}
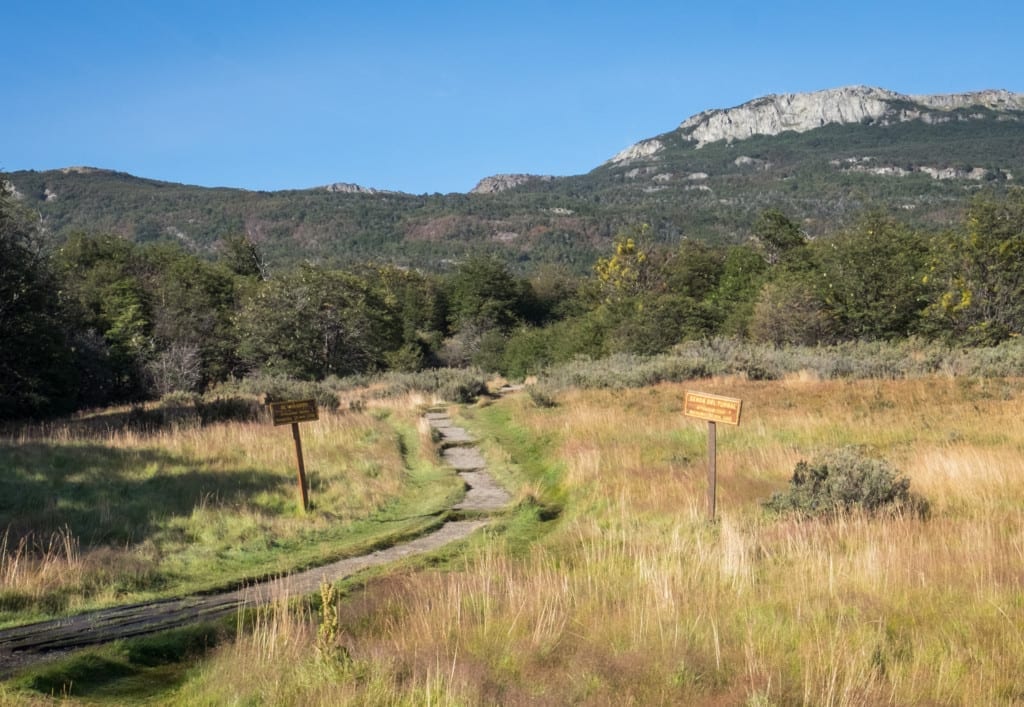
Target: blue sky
{"type": "Point", "coordinates": [433, 96]}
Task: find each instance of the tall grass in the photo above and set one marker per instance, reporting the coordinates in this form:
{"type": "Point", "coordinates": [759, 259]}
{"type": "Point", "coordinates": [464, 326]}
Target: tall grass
{"type": "Point", "coordinates": [95, 514]}
{"type": "Point", "coordinates": [634, 598]}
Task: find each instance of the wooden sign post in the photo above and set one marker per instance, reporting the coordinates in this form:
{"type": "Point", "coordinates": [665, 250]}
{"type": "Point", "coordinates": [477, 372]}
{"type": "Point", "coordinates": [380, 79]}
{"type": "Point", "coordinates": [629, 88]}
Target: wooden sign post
{"type": "Point", "coordinates": [714, 409]}
{"type": "Point", "coordinates": [293, 412]}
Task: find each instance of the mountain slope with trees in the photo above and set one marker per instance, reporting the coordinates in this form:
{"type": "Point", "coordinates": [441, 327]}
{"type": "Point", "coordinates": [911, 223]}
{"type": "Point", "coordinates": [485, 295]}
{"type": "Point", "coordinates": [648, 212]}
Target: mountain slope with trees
{"type": "Point", "coordinates": [802, 242]}
{"type": "Point", "coordinates": [824, 178]}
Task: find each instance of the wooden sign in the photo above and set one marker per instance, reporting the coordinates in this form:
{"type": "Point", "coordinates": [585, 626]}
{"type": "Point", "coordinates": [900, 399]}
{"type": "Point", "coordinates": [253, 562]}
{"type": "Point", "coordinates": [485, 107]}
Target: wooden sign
{"type": "Point", "coordinates": [713, 408]}
{"type": "Point", "coordinates": [293, 411]}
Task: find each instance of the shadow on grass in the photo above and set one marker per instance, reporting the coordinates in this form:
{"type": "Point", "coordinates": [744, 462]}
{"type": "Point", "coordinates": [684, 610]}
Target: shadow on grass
{"type": "Point", "coordinates": [129, 671]}
{"type": "Point", "coordinates": [107, 496]}
{"type": "Point", "coordinates": [143, 420]}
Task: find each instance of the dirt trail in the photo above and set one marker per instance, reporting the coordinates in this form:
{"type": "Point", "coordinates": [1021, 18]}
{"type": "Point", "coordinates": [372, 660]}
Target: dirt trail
{"type": "Point", "coordinates": [23, 646]}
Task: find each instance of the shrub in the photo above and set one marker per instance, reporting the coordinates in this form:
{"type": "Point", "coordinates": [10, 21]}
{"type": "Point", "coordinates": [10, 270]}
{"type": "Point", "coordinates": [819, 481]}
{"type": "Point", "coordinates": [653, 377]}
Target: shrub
{"type": "Point", "coordinates": [542, 396]}
{"type": "Point", "coordinates": [845, 480]}
{"type": "Point", "coordinates": [274, 388]}
{"type": "Point", "coordinates": [229, 409]}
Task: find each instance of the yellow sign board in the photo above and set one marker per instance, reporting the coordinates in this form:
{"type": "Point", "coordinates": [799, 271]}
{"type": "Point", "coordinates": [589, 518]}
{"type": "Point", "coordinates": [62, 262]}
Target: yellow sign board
{"type": "Point", "coordinates": [713, 408]}
{"type": "Point", "coordinates": [293, 411]}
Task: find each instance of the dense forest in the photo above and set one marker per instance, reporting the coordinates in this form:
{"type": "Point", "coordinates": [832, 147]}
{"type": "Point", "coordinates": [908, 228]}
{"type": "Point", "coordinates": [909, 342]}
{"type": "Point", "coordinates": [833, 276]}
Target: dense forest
{"type": "Point", "coordinates": [102, 319]}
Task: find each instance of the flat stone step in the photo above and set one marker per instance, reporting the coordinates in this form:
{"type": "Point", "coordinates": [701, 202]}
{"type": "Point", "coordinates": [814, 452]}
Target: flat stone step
{"type": "Point", "coordinates": [455, 435]}
{"type": "Point", "coordinates": [464, 458]}
{"type": "Point", "coordinates": [484, 493]}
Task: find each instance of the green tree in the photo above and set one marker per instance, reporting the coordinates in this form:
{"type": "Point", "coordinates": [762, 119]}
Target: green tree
{"type": "Point", "coordinates": [37, 372]}
{"type": "Point", "coordinates": [692, 270]}
{"type": "Point", "coordinates": [485, 302]}
{"type": "Point", "coordinates": [420, 305]}
{"type": "Point", "coordinates": [192, 304]}
{"type": "Point", "coordinates": [777, 236]}
{"type": "Point", "coordinates": [743, 274]}
{"type": "Point", "coordinates": [790, 311]}
{"type": "Point", "coordinates": [871, 278]}
{"type": "Point", "coordinates": [312, 323]}
{"type": "Point", "coordinates": [242, 256]}
{"type": "Point", "coordinates": [484, 294]}
{"type": "Point", "coordinates": [103, 291]}
{"type": "Point", "coordinates": [978, 274]}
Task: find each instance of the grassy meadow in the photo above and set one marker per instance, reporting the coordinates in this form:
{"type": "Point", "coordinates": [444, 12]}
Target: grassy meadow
{"type": "Point", "coordinates": [631, 597]}
{"type": "Point", "coordinates": [96, 512]}
{"type": "Point", "coordinates": [607, 585]}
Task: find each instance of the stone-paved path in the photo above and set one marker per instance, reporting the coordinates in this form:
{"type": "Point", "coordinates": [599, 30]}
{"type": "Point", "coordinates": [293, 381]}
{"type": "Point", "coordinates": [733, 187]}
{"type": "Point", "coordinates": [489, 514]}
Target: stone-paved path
{"type": "Point", "coordinates": [26, 645]}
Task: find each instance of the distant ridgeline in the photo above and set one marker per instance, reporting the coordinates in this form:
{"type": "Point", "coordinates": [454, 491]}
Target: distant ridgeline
{"type": "Point", "coordinates": [823, 158]}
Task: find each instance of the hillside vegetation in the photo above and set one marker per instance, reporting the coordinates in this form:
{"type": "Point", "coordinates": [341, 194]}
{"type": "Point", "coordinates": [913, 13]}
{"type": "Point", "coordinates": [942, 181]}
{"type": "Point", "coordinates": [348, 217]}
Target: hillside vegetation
{"type": "Point", "coordinates": [824, 179]}
{"type": "Point", "coordinates": [103, 320]}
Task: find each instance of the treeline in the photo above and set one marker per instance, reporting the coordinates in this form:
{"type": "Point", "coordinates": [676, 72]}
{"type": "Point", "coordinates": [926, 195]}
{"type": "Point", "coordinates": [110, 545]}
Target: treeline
{"type": "Point", "coordinates": [104, 320]}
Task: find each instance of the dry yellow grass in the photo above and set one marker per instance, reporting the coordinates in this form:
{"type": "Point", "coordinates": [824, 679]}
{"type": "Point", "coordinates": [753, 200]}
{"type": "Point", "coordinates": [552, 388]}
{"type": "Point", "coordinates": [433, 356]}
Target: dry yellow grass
{"type": "Point", "coordinates": [635, 599]}
{"type": "Point", "coordinates": [127, 514]}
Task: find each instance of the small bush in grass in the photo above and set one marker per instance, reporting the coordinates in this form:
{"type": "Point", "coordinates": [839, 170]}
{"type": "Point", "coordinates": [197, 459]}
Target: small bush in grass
{"type": "Point", "coordinates": [229, 409]}
{"type": "Point", "coordinates": [845, 480]}
{"type": "Point", "coordinates": [542, 396]}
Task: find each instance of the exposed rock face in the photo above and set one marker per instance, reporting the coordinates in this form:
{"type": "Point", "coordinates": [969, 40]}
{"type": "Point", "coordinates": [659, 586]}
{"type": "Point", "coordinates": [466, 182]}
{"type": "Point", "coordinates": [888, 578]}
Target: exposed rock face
{"type": "Point", "coordinates": [867, 165]}
{"type": "Point", "coordinates": [502, 182]}
{"type": "Point", "coordinates": [774, 114]}
{"type": "Point", "coordinates": [801, 112]}
{"type": "Point", "coordinates": [9, 188]}
{"type": "Point", "coordinates": [641, 150]}
{"type": "Point", "coordinates": [993, 99]}
{"type": "Point", "coordinates": [346, 188]}
{"type": "Point", "coordinates": [751, 162]}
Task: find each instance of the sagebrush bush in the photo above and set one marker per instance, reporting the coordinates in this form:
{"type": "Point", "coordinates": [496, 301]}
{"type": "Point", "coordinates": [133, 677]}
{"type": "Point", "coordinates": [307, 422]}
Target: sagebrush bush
{"type": "Point", "coordinates": [542, 396]}
{"type": "Point", "coordinates": [845, 480]}
{"type": "Point", "coordinates": [854, 360]}
{"type": "Point", "coordinates": [276, 388]}
{"type": "Point", "coordinates": [457, 385]}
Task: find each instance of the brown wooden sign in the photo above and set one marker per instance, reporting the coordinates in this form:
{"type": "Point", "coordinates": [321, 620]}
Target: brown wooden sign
{"type": "Point", "coordinates": [293, 411]}
{"type": "Point", "coordinates": [713, 408]}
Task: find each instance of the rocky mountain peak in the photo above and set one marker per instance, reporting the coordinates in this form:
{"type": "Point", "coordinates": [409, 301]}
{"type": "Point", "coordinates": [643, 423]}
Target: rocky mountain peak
{"type": "Point", "coordinates": [800, 112]}
{"type": "Point", "coordinates": [503, 182]}
{"type": "Point", "coordinates": [347, 188]}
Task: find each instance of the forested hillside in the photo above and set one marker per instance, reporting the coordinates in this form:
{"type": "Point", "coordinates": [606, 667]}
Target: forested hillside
{"type": "Point", "coordinates": [824, 180]}
{"type": "Point", "coordinates": [101, 319]}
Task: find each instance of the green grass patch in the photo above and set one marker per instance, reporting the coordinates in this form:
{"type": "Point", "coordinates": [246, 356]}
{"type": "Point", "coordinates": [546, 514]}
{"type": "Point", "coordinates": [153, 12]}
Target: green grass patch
{"type": "Point", "coordinates": [124, 672]}
{"type": "Point", "coordinates": [91, 523]}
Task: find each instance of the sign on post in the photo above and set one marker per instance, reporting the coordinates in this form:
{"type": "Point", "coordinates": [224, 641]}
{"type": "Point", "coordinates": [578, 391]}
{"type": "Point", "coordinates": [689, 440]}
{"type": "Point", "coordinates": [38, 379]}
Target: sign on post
{"type": "Point", "coordinates": [714, 409]}
{"type": "Point", "coordinates": [292, 412]}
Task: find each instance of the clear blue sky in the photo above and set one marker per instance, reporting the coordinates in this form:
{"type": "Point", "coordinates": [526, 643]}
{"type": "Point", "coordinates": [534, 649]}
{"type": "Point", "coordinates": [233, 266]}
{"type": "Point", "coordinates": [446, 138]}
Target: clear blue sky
{"type": "Point", "coordinates": [433, 96]}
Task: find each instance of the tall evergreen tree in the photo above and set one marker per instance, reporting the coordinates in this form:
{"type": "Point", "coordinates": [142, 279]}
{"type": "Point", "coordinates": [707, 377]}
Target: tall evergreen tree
{"type": "Point", "coordinates": [37, 376]}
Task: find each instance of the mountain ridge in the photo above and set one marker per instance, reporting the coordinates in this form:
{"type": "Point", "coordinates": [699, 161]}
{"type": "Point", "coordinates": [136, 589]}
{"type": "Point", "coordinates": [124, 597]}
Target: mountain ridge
{"type": "Point", "coordinates": [923, 160]}
{"type": "Point", "coordinates": [774, 114]}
